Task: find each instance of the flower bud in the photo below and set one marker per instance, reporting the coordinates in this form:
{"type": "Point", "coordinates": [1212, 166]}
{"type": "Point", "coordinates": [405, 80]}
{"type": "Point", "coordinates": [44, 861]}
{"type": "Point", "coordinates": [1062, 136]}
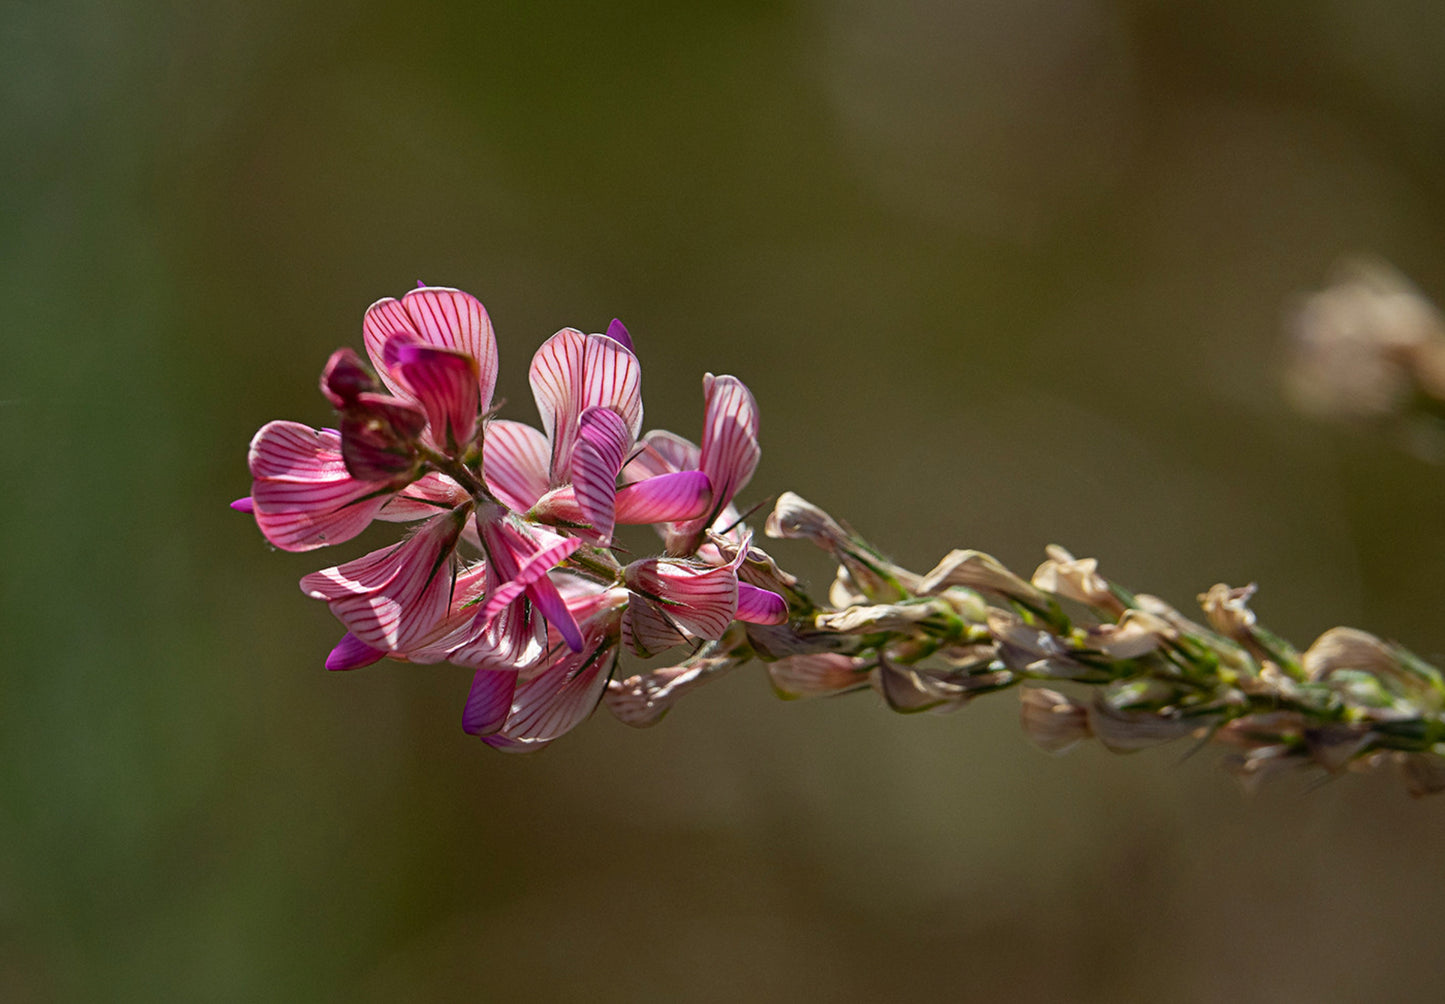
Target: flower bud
{"type": "Point", "coordinates": [1051, 720]}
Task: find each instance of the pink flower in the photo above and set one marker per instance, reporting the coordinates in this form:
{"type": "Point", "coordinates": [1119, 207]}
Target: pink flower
{"type": "Point", "coordinates": [728, 456]}
{"type": "Point", "coordinates": [302, 495]}
{"type": "Point", "coordinates": [588, 392]}
{"type": "Point", "coordinates": [674, 597]}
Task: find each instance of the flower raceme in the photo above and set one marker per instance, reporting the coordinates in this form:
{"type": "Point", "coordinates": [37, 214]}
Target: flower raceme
{"type": "Point", "coordinates": [509, 569]}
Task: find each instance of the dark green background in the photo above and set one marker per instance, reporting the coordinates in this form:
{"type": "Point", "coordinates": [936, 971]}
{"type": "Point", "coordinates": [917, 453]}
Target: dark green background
{"type": "Point", "coordinates": [1000, 274]}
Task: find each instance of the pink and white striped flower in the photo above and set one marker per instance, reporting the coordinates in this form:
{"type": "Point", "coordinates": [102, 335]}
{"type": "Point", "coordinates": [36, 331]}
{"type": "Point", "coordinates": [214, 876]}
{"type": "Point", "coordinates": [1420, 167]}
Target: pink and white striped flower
{"type": "Point", "coordinates": [588, 392]}
{"type": "Point", "coordinates": [676, 597]}
{"type": "Point", "coordinates": [728, 456]}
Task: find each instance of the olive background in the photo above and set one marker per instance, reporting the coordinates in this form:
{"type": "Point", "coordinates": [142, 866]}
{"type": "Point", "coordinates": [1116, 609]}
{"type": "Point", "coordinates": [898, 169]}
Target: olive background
{"type": "Point", "coordinates": [1000, 274]}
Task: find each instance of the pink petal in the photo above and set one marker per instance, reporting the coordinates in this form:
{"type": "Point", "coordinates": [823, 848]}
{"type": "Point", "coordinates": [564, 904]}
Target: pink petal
{"type": "Point", "coordinates": [394, 598]}
{"type": "Point", "coordinates": [445, 318]}
{"type": "Point", "coordinates": [561, 697]}
{"type": "Point", "coordinates": [646, 630]}
{"type": "Point", "coordinates": [559, 617]}
{"type": "Point", "coordinates": [701, 599]}
{"type": "Point", "coordinates": [489, 701]}
{"type": "Point", "coordinates": [730, 449]}
{"type": "Point", "coordinates": [661, 452]}
{"type": "Point", "coordinates": [302, 516]}
{"type": "Point", "coordinates": [572, 372]}
{"type": "Point", "coordinates": [515, 463]}
{"type": "Point", "coordinates": [445, 383]}
{"type": "Point", "coordinates": [602, 446]}
{"type": "Point", "coordinates": [428, 495]}
{"type": "Point", "coordinates": [760, 606]}
{"type": "Point", "coordinates": [352, 653]}
{"type": "Point", "coordinates": [296, 452]}
{"type": "Point", "coordinates": [244, 504]}
{"type": "Point", "coordinates": [664, 498]}
{"type": "Point", "coordinates": [516, 638]}
{"type": "Point", "coordinates": [617, 331]}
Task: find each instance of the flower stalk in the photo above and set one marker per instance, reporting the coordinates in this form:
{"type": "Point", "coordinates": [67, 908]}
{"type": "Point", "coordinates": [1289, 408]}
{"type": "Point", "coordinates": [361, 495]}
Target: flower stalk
{"type": "Point", "coordinates": [511, 572]}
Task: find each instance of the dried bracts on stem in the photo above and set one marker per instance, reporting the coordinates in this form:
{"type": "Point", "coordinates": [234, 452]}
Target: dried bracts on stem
{"type": "Point", "coordinates": [1129, 671]}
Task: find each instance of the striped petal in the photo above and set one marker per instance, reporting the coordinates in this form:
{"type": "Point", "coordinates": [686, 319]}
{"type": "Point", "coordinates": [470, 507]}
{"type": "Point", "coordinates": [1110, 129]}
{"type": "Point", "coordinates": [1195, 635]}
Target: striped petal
{"type": "Point", "coordinates": [394, 598]}
{"type": "Point", "coordinates": [560, 698]}
{"type": "Point", "coordinates": [489, 701]}
{"type": "Point", "coordinates": [647, 630]}
{"type": "Point", "coordinates": [702, 599]}
{"type": "Point", "coordinates": [428, 495]}
{"type": "Point", "coordinates": [730, 449]}
{"type": "Point", "coordinates": [445, 318]}
{"type": "Point", "coordinates": [445, 384]}
{"type": "Point", "coordinates": [515, 458]}
{"type": "Point", "coordinates": [296, 452]}
{"type": "Point", "coordinates": [514, 639]}
{"type": "Point", "coordinates": [602, 445]}
{"type": "Point", "coordinates": [572, 372]}
{"type": "Point", "coordinates": [661, 452]}
{"type": "Point", "coordinates": [760, 606]}
{"type": "Point", "coordinates": [664, 498]}
{"type": "Point", "coordinates": [352, 653]}
{"type": "Point", "coordinates": [302, 515]}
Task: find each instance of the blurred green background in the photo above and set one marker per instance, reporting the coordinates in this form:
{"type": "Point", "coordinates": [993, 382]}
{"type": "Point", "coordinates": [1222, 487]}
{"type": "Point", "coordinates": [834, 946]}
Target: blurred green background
{"type": "Point", "coordinates": [1000, 274]}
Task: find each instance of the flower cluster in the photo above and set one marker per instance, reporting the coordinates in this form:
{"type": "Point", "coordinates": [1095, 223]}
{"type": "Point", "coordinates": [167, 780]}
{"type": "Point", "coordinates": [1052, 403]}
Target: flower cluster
{"type": "Point", "coordinates": [509, 569]}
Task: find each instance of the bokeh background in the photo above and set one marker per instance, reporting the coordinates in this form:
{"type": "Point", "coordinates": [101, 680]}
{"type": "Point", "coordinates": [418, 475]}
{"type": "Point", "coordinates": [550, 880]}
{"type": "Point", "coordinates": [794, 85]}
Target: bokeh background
{"type": "Point", "coordinates": [1000, 274]}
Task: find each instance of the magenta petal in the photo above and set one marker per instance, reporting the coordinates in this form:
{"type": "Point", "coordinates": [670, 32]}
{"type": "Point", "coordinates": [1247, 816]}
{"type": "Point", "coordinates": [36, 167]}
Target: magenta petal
{"type": "Point", "coordinates": [760, 606]}
{"type": "Point", "coordinates": [395, 598]}
{"type": "Point", "coordinates": [352, 653]}
{"type": "Point", "coordinates": [489, 701]}
{"type": "Point", "coordinates": [515, 458]}
{"type": "Point", "coordinates": [664, 498]}
{"type": "Point", "coordinates": [548, 600]}
{"type": "Point", "coordinates": [572, 372]}
{"type": "Point", "coordinates": [602, 446]}
{"type": "Point", "coordinates": [428, 495]}
{"type": "Point", "coordinates": [559, 698]}
{"type": "Point", "coordinates": [445, 318]}
{"type": "Point", "coordinates": [244, 504]}
{"type": "Point", "coordinates": [701, 599]}
{"type": "Point", "coordinates": [344, 377]}
{"type": "Point", "coordinates": [529, 568]}
{"type": "Point", "coordinates": [305, 515]}
{"type": "Point", "coordinates": [296, 452]}
{"type": "Point", "coordinates": [445, 383]}
{"type": "Point", "coordinates": [730, 449]}
{"type": "Point", "coordinates": [617, 331]}
{"type": "Point", "coordinates": [379, 436]}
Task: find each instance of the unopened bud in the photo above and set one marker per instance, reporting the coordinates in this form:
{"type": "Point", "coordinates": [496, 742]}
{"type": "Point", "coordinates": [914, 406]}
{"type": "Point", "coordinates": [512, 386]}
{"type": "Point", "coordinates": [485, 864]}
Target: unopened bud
{"type": "Point", "coordinates": [1051, 720]}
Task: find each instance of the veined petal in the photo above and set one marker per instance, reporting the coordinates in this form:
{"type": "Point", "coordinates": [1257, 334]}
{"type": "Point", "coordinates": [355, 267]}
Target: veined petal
{"type": "Point", "coordinates": [428, 495]}
{"type": "Point", "coordinates": [601, 447]}
{"type": "Point", "coordinates": [661, 452]}
{"type": "Point", "coordinates": [760, 606]}
{"type": "Point", "coordinates": [445, 383]}
{"type": "Point", "coordinates": [572, 372]}
{"type": "Point", "coordinates": [646, 630]}
{"type": "Point", "coordinates": [515, 459]}
{"type": "Point", "coordinates": [393, 599]}
{"type": "Point", "coordinates": [514, 639]}
{"type": "Point", "coordinates": [730, 449]}
{"type": "Point", "coordinates": [559, 617]}
{"type": "Point", "coordinates": [701, 599]}
{"type": "Point", "coordinates": [528, 568]}
{"type": "Point", "coordinates": [352, 653]}
{"type": "Point", "coordinates": [379, 436]}
{"type": "Point", "coordinates": [664, 498]}
{"type": "Point", "coordinates": [296, 452]}
{"type": "Point", "coordinates": [560, 698]}
{"type": "Point", "coordinates": [305, 515]}
{"type": "Point", "coordinates": [445, 318]}
{"type": "Point", "coordinates": [489, 701]}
